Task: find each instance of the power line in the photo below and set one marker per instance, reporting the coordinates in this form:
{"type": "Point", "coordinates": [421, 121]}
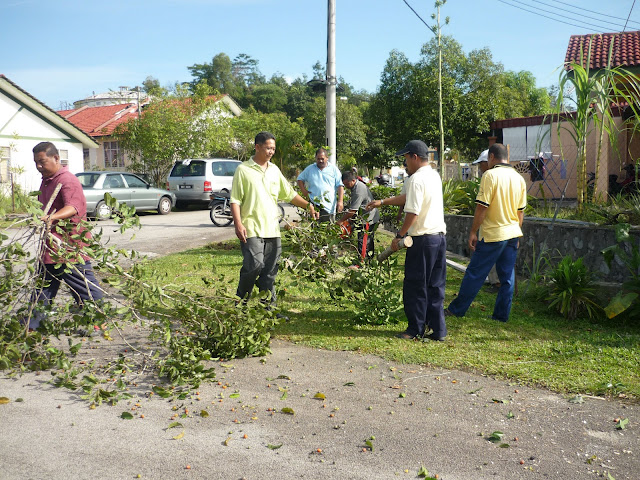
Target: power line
{"type": "Point", "coordinates": [545, 16]}
{"type": "Point", "coordinates": [416, 14]}
{"type": "Point", "coordinates": [576, 13]}
{"type": "Point", "coordinates": [629, 16]}
{"type": "Point", "coordinates": [592, 11]}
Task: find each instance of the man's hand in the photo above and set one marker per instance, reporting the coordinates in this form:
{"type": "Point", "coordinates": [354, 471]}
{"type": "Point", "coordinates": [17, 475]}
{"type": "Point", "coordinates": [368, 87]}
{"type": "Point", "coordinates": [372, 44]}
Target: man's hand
{"type": "Point", "coordinates": [473, 240]}
{"type": "Point", "coordinates": [340, 206]}
{"type": "Point", "coordinates": [312, 211]}
{"type": "Point", "coordinates": [241, 232]}
{"type": "Point", "coordinates": [394, 244]}
{"type": "Point", "coordinates": [372, 204]}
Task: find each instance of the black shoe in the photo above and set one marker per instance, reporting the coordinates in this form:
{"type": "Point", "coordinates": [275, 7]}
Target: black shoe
{"type": "Point", "coordinates": [449, 313]}
{"type": "Point", "coordinates": [405, 336]}
{"type": "Point", "coordinates": [282, 316]}
{"type": "Point", "coordinates": [433, 338]}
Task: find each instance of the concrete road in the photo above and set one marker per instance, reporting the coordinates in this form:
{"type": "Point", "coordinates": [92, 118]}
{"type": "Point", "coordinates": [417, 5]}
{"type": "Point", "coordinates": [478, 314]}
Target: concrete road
{"type": "Point", "coordinates": [164, 234]}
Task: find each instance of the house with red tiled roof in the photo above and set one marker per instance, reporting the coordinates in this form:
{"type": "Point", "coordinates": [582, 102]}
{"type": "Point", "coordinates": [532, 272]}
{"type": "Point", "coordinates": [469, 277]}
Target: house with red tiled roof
{"type": "Point", "coordinates": [101, 122]}
{"type": "Point", "coordinates": [555, 174]}
{"type": "Point", "coordinates": [598, 49]}
{"type": "Point", "coordinates": [24, 122]}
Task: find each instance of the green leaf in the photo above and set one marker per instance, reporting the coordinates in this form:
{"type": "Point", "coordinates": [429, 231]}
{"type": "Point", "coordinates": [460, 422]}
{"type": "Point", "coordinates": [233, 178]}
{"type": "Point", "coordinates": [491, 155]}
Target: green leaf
{"type": "Point", "coordinates": [288, 411]}
{"type": "Point", "coordinates": [349, 384]}
{"type": "Point", "coordinates": [234, 395]}
{"type": "Point", "coordinates": [204, 413]}
{"type": "Point", "coordinates": [620, 303]}
{"type": "Point", "coordinates": [622, 423]}
{"type": "Point", "coordinates": [422, 471]}
{"type": "Point", "coordinates": [174, 425]}
{"type": "Point", "coordinates": [576, 399]}
{"type": "Point", "coordinates": [319, 396]}
{"type": "Point", "coordinates": [369, 444]}
{"type": "Point", "coordinates": [126, 416]}
{"type": "Point", "coordinates": [162, 392]}
{"type": "Point", "coordinates": [496, 436]}
{"type": "Point", "coordinates": [273, 447]}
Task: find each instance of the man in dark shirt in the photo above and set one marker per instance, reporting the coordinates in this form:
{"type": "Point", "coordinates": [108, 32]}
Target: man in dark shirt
{"type": "Point", "coordinates": [360, 197]}
{"type": "Point", "coordinates": [61, 259]}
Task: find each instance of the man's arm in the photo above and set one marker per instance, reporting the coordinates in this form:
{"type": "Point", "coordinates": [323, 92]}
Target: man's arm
{"type": "Point", "coordinates": [340, 198]}
{"type": "Point", "coordinates": [65, 212]}
{"type": "Point", "coordinates": [298, 201]}
{"type": "Point", "coordinates": [478, 218]}
{"type": "Point", "coordinates": [347, 215]}
{"type": "Point", "coordinates": [520, 217]}
{"type": "Point", "coordinates": [241, 231]}
{"type": "Point", "coordinates": [398, 201]}
{"type": "Point", "coordinates": [409, 220]}
{"type": "Point", "coordinates": [303, 189]}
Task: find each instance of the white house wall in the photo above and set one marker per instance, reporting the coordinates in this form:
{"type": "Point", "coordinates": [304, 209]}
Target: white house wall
{"type": "Point", "coordinates": [21, 130]}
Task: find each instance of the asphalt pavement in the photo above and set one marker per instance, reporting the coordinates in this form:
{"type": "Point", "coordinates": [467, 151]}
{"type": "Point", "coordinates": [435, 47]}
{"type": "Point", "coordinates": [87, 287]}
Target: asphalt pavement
{"type": "Point", "coordinates": [308, 413]}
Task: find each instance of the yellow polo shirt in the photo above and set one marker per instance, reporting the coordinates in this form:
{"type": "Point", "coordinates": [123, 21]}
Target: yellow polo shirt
{"type": "Point", "coordinates": [258, 192]}
{"type": "Point", "coordinates": [504, 192]}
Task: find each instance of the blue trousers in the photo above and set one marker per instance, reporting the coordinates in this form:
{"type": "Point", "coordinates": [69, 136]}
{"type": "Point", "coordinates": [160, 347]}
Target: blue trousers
{"type": "Point", "coordinates": [503, 255]}
{"type": "Point", "coordinates": [80, 279]}
{"type": "Point", "coordinates": [259, 266]}
{"type": "Point", "coordinates": [425, 276]}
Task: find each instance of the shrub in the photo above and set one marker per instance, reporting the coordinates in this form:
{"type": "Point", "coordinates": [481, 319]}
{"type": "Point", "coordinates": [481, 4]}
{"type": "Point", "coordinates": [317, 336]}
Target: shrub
{"type": "Point", "coordinates": [629, 253]}
{"type": "Point", "coordinates": [572, 289]}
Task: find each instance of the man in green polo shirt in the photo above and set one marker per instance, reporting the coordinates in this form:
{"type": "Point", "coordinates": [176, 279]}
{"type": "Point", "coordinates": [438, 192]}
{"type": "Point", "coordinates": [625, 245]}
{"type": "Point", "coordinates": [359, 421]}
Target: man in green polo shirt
{"type": "Point", "coordinates": [257, 187]}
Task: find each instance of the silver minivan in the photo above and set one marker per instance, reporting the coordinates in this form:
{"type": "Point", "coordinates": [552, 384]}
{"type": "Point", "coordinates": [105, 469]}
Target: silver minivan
{"type": "Point", "coordinates": [193, 180]}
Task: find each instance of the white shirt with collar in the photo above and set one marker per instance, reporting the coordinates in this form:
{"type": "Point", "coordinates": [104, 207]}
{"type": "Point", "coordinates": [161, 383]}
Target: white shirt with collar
{"type": "Point", "coordinates": [424, 199]}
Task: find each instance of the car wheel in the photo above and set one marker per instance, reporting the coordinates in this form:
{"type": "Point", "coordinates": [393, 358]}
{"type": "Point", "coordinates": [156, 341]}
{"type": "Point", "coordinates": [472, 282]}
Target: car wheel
{"type": "Point", "coordinates": [164, 206]}
{"type": "Point", "coordinates": [103, 211]}
{"type": "Point", "coordinates": [219, 216]}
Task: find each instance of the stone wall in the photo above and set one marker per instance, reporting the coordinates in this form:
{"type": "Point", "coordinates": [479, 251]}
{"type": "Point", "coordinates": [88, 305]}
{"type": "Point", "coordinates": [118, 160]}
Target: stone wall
{"type": "Point", "coordinates": [564, 237]}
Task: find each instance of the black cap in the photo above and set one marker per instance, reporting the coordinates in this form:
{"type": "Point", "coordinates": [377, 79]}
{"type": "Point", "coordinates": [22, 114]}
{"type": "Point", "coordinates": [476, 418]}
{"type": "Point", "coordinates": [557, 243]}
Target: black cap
{"type": "Point", "coordinates": [417, 147]}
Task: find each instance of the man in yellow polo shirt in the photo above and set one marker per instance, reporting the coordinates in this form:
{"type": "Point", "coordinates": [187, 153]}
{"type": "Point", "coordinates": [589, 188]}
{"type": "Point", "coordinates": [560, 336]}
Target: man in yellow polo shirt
{"type": "Point", "coordinates": [499, 213]}
{"type": "Point", "coordinates": [257, 187]}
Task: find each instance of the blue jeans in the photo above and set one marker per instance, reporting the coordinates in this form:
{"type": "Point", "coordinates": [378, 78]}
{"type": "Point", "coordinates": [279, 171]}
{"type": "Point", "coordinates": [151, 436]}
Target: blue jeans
{"type": "Point", "coordinates": [503, 255]}
{"type": "Point", "coordinates": [425, 276]}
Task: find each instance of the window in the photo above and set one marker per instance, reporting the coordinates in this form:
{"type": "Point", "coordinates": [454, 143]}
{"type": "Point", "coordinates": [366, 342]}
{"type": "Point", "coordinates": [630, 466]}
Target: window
{"type": "Point", "coordinates": [134, 182]}
{"type": "Point", "coordinates": [113, 181]}
{"type": "Point", "coordinates": [5, 163]}
{"type": "Point", "coordinates": [64, 157]}
{"type": "Point", "coordinates": [85, 158]}
{"type": "Point", "coordinates": [113, 158]}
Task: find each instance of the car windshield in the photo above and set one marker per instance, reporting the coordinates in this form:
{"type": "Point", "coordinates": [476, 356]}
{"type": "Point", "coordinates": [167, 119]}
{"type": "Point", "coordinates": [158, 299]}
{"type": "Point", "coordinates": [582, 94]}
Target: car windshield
{"type": "Point", "coordinates": [193, 169]}
{"type": "Point", "coordinates": [88, 179]}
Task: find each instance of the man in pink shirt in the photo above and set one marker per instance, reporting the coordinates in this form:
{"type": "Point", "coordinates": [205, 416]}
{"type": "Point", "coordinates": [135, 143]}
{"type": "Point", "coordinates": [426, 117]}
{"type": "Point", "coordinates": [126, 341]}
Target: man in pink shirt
{"type": "Point", "coordinates": [61, 258]}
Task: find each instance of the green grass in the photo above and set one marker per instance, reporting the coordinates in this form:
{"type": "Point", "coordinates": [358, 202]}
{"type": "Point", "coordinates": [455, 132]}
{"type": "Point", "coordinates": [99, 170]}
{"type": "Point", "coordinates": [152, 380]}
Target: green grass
{"type": "Point", "coordinates": [536, 347]}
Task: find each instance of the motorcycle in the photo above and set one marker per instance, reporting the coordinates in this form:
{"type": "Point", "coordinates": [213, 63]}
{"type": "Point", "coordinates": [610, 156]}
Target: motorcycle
{"type": "Point", "coordinates": [220, 209]}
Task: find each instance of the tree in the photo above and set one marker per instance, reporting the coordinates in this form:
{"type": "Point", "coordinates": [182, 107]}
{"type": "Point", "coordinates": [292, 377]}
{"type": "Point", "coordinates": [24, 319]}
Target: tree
{"type": "Point", "coordinates": [151, 86]}
{"type": "Point", "coordinates": [173, 128]}
{"type": "Point", "coordinates": [521, 97]}
{"type": "Point", "coordinates": [269, 98]}
{"type": "Point", "coordinates": [292, 150]}
{"type": "Point", "coordinates": [473, 91]}
{"type": "Point", "coordinates": [351, 133]}
{"type": "Point", "coordinates": [217, 74]}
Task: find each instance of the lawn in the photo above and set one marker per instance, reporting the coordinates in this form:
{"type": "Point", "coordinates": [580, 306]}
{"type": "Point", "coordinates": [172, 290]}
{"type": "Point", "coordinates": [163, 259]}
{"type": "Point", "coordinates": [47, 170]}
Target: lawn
{"type": "Point", "coordinates": [537, 347]}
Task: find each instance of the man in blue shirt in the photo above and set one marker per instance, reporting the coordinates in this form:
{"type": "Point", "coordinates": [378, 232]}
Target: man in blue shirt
{"type": "Point", "coordinates": [319, 183]}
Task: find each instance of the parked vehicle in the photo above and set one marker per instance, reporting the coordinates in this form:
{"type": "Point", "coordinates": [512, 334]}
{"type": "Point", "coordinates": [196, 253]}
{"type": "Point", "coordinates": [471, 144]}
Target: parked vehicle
{"type": "Point", "coordinates": [220, 209]}
{"type": "Point", "coordinates": [126, 188]}
{"type": "Point", "coordinates": [193, 180]}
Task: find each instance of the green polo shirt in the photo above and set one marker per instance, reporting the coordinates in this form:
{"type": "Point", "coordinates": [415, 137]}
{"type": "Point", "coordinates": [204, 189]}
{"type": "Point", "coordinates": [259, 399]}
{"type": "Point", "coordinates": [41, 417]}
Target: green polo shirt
{"type": "Point", "coordinates": [258, 192]}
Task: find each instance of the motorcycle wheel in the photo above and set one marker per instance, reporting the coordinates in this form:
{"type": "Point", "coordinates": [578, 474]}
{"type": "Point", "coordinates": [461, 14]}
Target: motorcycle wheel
{"type": "Point", "coordinates": [219, 216]}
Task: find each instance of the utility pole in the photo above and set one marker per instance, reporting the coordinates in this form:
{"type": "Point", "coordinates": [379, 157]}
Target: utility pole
{"type": "Point", "coordinates": [437, 30]}
{"type": "Point", "coordinates": [331, 80]}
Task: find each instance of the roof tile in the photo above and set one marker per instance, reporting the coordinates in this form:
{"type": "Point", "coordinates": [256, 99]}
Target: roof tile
{"type": "Point", "coordinates": [625, 50]}
{"type": "Point", "coordinates": [100, 121]}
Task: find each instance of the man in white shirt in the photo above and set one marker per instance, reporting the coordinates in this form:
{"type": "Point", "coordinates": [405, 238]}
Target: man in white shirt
{"type": "Point", "coordinates": [425, 265]}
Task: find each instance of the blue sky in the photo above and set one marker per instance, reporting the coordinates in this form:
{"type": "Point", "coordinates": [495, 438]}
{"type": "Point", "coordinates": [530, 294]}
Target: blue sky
{"type": "Point", "coordinates": [65, 50]}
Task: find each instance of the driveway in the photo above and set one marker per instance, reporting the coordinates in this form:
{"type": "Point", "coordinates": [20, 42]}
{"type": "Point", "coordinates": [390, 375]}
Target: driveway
{"type": "Point", "coordinates": [164, 234]}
